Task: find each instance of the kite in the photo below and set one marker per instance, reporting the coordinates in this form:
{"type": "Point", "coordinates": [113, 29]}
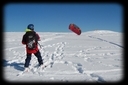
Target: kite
{"type": "Point", "coordinates": [74, 28]}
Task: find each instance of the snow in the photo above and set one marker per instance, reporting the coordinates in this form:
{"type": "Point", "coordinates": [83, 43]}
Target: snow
{"type": "Point", "coordinates": [94, 56]}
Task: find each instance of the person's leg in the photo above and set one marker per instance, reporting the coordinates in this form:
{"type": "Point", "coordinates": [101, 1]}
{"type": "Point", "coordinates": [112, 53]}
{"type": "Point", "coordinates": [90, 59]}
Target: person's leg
{"type": "Point", "coordinates": [27, 60]}
{"type": "Point", "coordinates": [39, 57]}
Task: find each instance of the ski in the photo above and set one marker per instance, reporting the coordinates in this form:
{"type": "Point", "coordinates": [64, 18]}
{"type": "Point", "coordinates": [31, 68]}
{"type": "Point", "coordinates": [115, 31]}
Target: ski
{"type": "Point", "coordinates": [36, 68]}
{"type": "Point", "coordinates": [23, 72]}
{"type": "Point", "coordinates": [42, 67]}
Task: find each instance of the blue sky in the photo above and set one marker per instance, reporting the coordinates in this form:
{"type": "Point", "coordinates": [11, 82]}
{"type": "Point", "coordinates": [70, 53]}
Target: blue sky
{"type": "Point", "coordinates": [56, 17]}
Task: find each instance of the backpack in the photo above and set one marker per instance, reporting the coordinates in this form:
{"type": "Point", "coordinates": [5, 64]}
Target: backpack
{"type": "Point", "coordinates": [31, 39]}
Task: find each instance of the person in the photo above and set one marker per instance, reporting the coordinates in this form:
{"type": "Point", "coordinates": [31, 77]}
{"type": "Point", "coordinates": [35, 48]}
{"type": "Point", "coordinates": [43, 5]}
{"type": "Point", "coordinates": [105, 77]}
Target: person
{"type": "Point", "coordinates": [35, 49]}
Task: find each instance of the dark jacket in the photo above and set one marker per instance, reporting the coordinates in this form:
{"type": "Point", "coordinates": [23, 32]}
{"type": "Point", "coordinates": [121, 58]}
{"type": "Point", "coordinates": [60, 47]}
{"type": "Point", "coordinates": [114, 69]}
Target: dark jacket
{"type": "Point", "coordinates": [24, 43]}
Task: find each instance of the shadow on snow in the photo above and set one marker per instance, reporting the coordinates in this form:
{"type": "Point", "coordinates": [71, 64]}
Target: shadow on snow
{"type": "Point", "coordinates": [18, 66]}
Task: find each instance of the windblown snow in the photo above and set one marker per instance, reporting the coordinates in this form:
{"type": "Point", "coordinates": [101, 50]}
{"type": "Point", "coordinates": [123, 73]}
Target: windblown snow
{"type": "Point", "coordinates": [94, 56]}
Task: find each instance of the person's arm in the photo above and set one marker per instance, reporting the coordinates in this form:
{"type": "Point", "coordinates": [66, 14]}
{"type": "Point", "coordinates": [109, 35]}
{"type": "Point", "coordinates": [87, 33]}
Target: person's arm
{"type": "Point", "coordinates": [38, 37]}
{"type": "Point", "coordinates": [23, 40]}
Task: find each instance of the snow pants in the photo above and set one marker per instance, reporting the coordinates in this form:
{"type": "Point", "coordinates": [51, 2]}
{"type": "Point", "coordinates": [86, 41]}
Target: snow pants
{"type": "Point", "coordinates": [28, 58]}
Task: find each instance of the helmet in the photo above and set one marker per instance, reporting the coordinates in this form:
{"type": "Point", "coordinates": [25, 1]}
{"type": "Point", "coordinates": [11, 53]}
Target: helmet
{"type": "Point", "coordinates": [30, 26]}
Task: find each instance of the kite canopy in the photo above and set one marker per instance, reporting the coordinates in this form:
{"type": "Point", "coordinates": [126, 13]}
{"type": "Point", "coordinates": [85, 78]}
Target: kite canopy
{"type": "Point", "coordinates": [74, 28]}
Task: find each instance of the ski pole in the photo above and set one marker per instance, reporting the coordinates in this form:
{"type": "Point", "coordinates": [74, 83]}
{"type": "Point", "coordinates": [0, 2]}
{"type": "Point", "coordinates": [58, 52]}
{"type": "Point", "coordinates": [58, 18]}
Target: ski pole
{"type": "Point", "coordinates": [39, 45]}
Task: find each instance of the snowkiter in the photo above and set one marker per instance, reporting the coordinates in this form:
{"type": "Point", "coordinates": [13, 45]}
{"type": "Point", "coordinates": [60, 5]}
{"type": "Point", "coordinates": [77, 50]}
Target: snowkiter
{"type": "Point", "coordinates": [30, 39]}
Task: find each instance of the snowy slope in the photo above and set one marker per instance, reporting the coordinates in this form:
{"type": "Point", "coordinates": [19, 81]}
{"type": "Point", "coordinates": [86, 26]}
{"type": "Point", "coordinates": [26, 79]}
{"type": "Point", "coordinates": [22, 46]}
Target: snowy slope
{"type": "Point", "coordinates": [94, 56]}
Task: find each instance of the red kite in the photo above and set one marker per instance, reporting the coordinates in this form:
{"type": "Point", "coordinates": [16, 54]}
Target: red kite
{"type": "Point", "coordinates": [74, 28]}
